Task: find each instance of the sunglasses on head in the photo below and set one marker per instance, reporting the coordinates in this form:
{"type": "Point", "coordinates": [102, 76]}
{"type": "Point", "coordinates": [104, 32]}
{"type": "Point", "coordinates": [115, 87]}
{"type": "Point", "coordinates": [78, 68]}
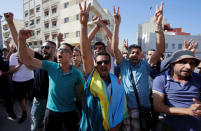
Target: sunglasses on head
{"type": "Point", "coordinates": [62, 50]}
{"type": "Point", "coordinates": [46, 47]}
{"type": "Point", "coordinates": [104, 61]}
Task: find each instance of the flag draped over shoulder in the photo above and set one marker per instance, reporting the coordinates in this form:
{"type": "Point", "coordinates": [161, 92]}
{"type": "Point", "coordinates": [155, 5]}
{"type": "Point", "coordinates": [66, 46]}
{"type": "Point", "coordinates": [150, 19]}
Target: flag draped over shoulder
{"type": "Point", "coordinates": [102, 112]}
{"type": "Point", "coordinates": [97, 88]}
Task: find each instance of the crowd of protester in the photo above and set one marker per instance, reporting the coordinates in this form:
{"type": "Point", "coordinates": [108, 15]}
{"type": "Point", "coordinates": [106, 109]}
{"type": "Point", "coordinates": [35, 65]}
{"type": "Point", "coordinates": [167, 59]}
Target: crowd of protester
{"type": "Point", "coordinates": [98, 87]}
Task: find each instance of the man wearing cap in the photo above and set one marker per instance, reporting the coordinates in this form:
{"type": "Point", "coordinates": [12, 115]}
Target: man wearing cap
{"type": "Point", "coordinates": [176, 93]}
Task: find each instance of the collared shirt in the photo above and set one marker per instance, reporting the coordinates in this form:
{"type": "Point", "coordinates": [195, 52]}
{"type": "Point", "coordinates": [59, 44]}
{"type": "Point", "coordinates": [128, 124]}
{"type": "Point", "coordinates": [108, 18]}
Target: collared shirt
{"type": "Point", "coordinates": [140, 74]}
{"type": "Point", "coordinates": [61, 86]}
{"type": "Point", "coordinates": [178, 95]}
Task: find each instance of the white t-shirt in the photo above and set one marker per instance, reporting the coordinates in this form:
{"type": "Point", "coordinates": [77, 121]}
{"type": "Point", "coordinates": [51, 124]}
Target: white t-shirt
{"type": "Point", "coordinates": [23, 74]}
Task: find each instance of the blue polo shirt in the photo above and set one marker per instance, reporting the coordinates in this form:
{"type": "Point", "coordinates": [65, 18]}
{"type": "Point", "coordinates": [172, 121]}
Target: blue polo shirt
{"type": "Point", "coordinates": [61, 87]}
{"type": "Point", "coordinates": [141, 76]}
{"type": "Point", "coordinates": [177, 95]}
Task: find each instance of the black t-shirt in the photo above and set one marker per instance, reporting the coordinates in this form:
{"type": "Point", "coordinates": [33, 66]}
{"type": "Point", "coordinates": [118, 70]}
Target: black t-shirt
{"type": "Point", "coordinates": [4, 67]}
{"type": "Point", "coordinates": [41, 81]}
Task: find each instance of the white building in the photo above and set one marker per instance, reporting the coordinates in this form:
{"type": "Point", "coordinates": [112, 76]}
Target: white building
{"type": "Point", "coordinates": [1, 41]}
{"type": "Point", "coordinates": [174, 37]}
{"type": "Point", "coordinates": [19, 24]}
{"type": "Point", "coordinates": [49, 17]}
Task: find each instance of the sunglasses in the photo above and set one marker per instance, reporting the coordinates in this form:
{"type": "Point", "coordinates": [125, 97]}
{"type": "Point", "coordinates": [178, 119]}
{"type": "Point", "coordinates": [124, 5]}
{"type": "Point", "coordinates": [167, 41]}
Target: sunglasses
{"type": "Point", "coordinates": [62, 50]}
{"type": "Point", "coordinates": [46, 47]}
{"type": "Point", "coordinates": [192, 63]}
{"type": "Point", "coordinates": [104, 61]}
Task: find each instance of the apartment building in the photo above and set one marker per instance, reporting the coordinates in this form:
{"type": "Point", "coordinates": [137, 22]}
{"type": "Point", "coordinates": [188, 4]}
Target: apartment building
{"type": "Point", "coordinates": [50, 17]}
{"type": "Point", "coordinates": [174, 37]}
{"type": "Point", "coordinates": [1, 39]}
{"type": "Point", "coordinates": [19, 24]}
{"type": "Point", "coordinates": [33, 20]}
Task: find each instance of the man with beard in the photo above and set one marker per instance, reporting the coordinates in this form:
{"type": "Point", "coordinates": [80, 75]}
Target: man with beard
{"type": "Point", "coordinates": [176, 93]}
{"type": "Point", "coordinates": [63, 81]}
{"type": "Point", "coordinates": [41, 85]}
{"type": "Point", "coordinates": [104, 98]}
{"type": "Point", "coordinates": [41, 81]}
{"type": "Point", "coordinates": [137, 69]}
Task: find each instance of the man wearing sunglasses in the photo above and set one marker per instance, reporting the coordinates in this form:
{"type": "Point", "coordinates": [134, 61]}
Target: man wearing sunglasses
{"type": "Point", "coordinates": [104, 98]}
{"type": "Point", "coordinates": [63, 80]}
{"type": "Point", "coordinates": [176, 93]}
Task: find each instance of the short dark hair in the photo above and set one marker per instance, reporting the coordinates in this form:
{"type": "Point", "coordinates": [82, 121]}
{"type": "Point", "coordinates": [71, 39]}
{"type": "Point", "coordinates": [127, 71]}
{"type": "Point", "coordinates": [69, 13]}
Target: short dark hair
{"type": "Point", "coordinates": [102, 53]}
{"type": "Point", "coordinates": [51, 42]}
{"type": "Point", "coordinates": [150, 50]}
{"type": "Point", "coordinates": [134, 46]}
{"type": "Point", "coordinates": [77, 50]}
{"type": "Point", "coordinates": [69, 45]}
{"type": "Point", "coordinates": [99, 43]}
{"type": "Point", "coordinates": [4, 49]}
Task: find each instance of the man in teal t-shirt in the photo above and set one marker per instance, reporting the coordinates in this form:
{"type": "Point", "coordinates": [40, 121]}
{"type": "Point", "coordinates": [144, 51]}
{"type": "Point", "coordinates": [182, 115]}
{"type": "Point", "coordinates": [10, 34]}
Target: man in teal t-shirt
{"type": "Point", "coordinates": [63, 80]}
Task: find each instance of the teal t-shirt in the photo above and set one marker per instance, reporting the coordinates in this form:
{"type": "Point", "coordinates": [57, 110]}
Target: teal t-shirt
{"type": "Point", "coordinates": [62, 86]}
{"type": "Point", "coordinates": [140, 74]}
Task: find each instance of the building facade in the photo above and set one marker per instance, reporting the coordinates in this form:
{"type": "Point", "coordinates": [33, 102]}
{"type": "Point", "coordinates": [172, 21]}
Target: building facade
{"type": "Point", "coordinates": [47, 18]}
{"type": "Point", "coordinates": [174, 37]}
{"type": "Point", "coordinates": [1, 39]}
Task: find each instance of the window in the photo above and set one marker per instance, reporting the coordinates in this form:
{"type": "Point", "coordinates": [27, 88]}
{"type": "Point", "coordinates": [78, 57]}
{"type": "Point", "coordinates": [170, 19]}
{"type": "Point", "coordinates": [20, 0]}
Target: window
{"type": "Point", "coordinates": [31, 12]}
{"type": "Point", "coordinates": [166, 45]}
{"type": "Point", "coordinates": [46, 13]}
{"type": "Point", "coordinates": [41, 43]}
{"type": "Point", "coordinates": [179, 46]}
{"type": "Point", "coordinates": [38, 32]}
{"type": "Point", "coordinates": [26, 14]}
{"type": "Point", "coordinates": [38, 9]}
{"type": "Point", "coordinates": [66, 20]}
{"type": "Point", "coordinates": [173, 46]}
{"type": "Point", "coordinates": [77, 17]}
{"type": "Point", "coordinates": [54, 23]}
{"type": "Point", "coordinates": [54, 36]}
{"type": "Point", "coordinates": [31, 22]}
{"type": "Point", "coordinates": [38, 21]}
{"type": "Point", "coordinates": [33, 34]}
{"type": "Point", "coordinates": [66, 35]}
{"type": "Point", "coordinates": [5, 27]}
{"type": "Point", "coordinates": [46, 25]}
{"type": "Point", "coordinates": [66, 5]}
{"type": "Point", "coordinates": [30, 44]}
{"type": "Point", "coordinates": [26, 24]}
{"type": "Point", "coordinates": [47, 37]}
{"type": "Point", "coordinates": [35, 43]}
{"type": "Point", "coordinates": [77, 33]}
{"type": "Point", "coordinates": [54, 10]}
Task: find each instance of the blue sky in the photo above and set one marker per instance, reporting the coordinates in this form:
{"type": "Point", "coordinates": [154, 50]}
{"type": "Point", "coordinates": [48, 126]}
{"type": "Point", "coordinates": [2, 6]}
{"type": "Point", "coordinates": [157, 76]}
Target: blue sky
{"type": "Point", "coordinates": [179, 13]}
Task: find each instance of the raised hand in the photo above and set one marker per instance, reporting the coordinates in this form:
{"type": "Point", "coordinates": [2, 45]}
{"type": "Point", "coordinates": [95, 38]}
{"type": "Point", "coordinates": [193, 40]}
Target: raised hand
{"type": "Point", "coordinates": [191, 45]}
{"type": "Point", "coordinates": [126, 44]}
{"type": "Point", "coordinates": [84, 13]}
{"type": "Point", "coordinates": [100, 21]}
{"type": "Point", "coordinates": [60, 37]}
{"type": "Point", "coordinates": [8, 16]}
{"type": "Point", "coordinates": [158, 16]}
{"type": "Point", "coordinates": [117, 17]}
{"type": "Point", "coordinates": [7, 41]}
{"type": "Point", "coordinates": [24, 34]}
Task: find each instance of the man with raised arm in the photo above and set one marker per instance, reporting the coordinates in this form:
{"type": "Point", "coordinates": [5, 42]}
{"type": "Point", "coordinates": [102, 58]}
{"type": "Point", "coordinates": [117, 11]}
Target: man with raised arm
{"type": "Point", "coordinates": [63, 80]}
{"type": "Point", "coordinates": [104, 98]}
{"type": "Point", "coordinates": [137, 67]}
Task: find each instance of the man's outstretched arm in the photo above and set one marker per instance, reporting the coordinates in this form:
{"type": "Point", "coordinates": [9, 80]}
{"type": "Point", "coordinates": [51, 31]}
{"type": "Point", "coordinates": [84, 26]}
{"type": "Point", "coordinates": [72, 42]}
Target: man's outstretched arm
{"type": "Point", "coordinates": [160, 39]}
{"type": "Point", "coordinates": [25, 57]}
{"type": "Point", "coordinates": [115, 37]}
{"type": "Point", "coordinates": [85, 46]}
{"type": "Point", "coordinates": [9, 18]}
